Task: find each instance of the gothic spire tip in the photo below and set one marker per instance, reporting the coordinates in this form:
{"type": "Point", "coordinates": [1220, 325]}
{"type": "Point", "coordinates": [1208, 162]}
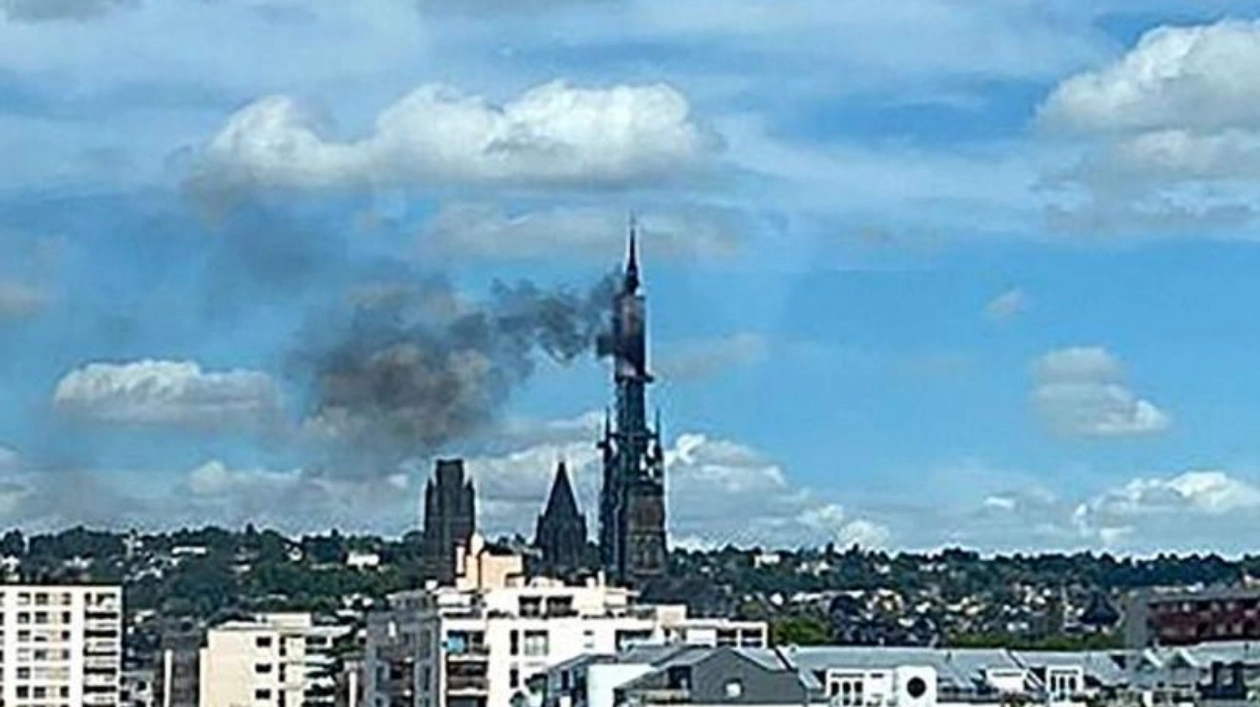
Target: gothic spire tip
{"type": "Point", "coordinates": [632, 258]}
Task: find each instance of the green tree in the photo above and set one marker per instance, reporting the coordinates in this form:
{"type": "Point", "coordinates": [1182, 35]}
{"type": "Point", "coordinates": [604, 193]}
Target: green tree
{"type": "Point", "coordinates": [800, 631]}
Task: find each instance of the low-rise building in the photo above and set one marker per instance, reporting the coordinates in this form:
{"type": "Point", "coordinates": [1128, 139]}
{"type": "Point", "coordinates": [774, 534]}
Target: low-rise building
{"type": "Point", "coordinates": [664, 674]}
{"type": "Point", "coordinates": [273, 659]}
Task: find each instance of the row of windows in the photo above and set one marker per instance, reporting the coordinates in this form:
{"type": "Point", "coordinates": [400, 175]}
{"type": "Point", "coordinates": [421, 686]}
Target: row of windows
{"type": "Point", "coordinates": [27, 655]}
{"type": "Point", "coordinates": [535, 643]}
{"type": "Point", "coordinates": [42, 617]}
{"type": "Point", "coordinates": [106, 598]}
{"type": "Point", "coordinates": [40, 692]}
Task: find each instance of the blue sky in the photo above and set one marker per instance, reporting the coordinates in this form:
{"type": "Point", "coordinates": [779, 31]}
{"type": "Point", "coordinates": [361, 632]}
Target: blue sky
{"type": "Point", "coordinates": [921, 273]}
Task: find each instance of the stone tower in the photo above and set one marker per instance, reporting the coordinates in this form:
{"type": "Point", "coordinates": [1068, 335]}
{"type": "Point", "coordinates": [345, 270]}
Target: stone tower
{"type": "Point", "coordinates": [632, 500]}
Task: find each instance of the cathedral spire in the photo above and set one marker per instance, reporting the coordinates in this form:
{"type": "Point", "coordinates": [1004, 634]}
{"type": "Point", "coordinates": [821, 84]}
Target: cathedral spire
{"type": "Point", "coordinates": [632, 501]}
{"type": "Point", "coordinates": [561, 530]}
{"type": "Point", "coordinates": [562, 500]}
{"type": "Point", "coordinates": [632, 258]}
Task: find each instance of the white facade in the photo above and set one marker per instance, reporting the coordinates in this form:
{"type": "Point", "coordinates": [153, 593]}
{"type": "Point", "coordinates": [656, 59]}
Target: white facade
{"type": "Point", "coordinates": [279, 660]}
{"type": "Point", "coordinates": [363, 560]}
{"type": "Point", "coordinates": [454, 648]}
{"type": "Point", "coordinates": [903, 686]}
{"type": "Point", "coordinates": [61, 645]}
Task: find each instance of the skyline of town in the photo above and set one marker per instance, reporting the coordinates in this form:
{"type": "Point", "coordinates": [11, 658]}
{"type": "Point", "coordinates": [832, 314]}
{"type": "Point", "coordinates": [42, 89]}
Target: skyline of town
{"type": "Point", "coordinates": [974, 273]}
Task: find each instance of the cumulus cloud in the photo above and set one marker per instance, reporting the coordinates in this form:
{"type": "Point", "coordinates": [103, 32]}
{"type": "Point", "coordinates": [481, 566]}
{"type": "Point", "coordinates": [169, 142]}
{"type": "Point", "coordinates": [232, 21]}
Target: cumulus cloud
{"type": "Point", "coordinates": [702, 359]}
{"type": "Point", "coordinates": [1174, 78]}
{"type": "Point", "coordinates": [18, 300]}
{"type": "Point", "coordinates": [1159, 125]}
{"type": "Point", "coordinates": [747, 499]}
{"type": "Point", "coordinates": [154, 392]}
{"type": "Point", "coordinates": [296, 500]}
{"type": "Point", "coordinates": [1008, 305]}
{"type": "Point", "coordinates": [555, 134]}
{"type": "Point", "coordinates": [1200, 506]}
{"type": "Point", "coordinates": [1188, 511]}
{"type": "Point", "coordinates": [51, 10]}
{"type": "Point", "coordinates": [488, 231]}
{"type": "Point", "coordinates": [1081, 391]}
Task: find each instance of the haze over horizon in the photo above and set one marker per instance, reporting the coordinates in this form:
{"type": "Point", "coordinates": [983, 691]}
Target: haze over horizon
{"type": "Point", "coordinates": [919, 273]}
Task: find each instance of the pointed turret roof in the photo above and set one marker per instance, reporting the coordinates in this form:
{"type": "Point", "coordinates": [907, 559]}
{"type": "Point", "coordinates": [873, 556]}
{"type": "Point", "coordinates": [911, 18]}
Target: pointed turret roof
{"type": "Point", "coordinates": [561, 504]}
{"type": "Point", "coordinates": [632, 258]}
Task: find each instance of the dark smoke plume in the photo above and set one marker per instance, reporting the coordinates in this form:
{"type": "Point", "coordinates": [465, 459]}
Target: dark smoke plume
{"type": "Point", "coordinates": [416, 368]}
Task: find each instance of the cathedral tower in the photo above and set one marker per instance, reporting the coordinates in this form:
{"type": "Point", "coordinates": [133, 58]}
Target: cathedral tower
{"type": "Point", "coordinates": [632, 500]}
{"type": "Point", "coordinates": [561, 530]}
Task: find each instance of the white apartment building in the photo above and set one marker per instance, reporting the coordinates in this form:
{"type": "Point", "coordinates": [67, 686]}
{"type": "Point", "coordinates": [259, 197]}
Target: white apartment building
{"type": "Point", "coordinates": [477, 643]}
{"type": "Point", "coordinates": [274, 660]}
{"type": "Point", "coordinates": [60, 646]}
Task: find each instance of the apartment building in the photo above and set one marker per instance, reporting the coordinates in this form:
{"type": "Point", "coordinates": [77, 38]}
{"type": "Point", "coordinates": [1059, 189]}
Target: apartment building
{"type": "Point", "coordinates": [277, 660]}
{"type": "Point", "coordinates": [477, 643]}
{"type": "Point", "coordinates": [1188, 617]}
{"type": "Point", "coordinates": [60, 646]}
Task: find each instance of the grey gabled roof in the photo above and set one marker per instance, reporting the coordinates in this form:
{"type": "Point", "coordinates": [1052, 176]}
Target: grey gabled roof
{"type": "Point", "coordinates": [962, 668]}
{"type": "Point", "coordinates": [765, 658]}
{"type": "Point", "coordinates": [1100, 666]}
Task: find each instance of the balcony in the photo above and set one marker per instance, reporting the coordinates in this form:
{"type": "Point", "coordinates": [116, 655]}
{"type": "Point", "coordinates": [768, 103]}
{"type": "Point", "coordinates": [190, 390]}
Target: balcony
{"type": "Point", "coordinates": [462, 685]}
{"type": "Point", "coordinates": [477, 653]}
{"type": "Point", "coordinates": [102, 647]}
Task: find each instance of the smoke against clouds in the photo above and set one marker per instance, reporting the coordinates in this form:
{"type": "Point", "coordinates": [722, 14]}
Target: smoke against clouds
{"type": "Point", "coordinates": [416, 368]}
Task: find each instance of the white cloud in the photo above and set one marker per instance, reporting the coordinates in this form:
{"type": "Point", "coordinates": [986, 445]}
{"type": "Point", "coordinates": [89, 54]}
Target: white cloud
{"type": "Point", "coordinates": [1081, 391]}
{"type": "Point", "coordinates": [18, 300]}
{"type": "Point", "coordinates": [554, 134]}
{"type": "Point", "coordinates": [719, 492]}
{"type": "Point", "coordinates": [1192, 509]}
{"type": "Point", "coordinates": [151, 392]}
{"type": "Point", "coordinates": [296, 500]}
{"type": "Point", "coordinates": [1170, 132]}
{"type": "Point", "coordinates": [487, 231]}
{"type": "Point", "coordinates": [1175, 77]}
{"type": "Point", "coordinates": [1008, 305]}
{"type": "Point", "coordinates": [1202, 492]}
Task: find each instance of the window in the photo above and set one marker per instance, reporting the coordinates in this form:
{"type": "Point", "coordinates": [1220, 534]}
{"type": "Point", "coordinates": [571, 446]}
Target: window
{"type": "Point", "coordinates": [916, 687]}
{"type": "Point", "coordinates": [514, 642]}
{"type": "Point", "coordinates": [531, 607]}
{"type": "Point", "coordinates": [262, 668]}
{"type": "Point", "coordinates": [262, 642]}
{"type": "Point", "coordinates": [848, 688]}
{"type": "Point", "coordinates": [734, 689]}
{"type": "Point", "coordinates": [535, 643]}
{"type": "Point", "coordinates": [514, 678]}
{"type": "Point", "coordinates": [262, 694]}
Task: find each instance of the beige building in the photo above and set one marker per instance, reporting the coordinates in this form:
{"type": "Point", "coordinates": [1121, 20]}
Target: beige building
{"type": "Point", "coordinates": [276, 660]}
{"type": "Point", "coordinates": [61, 646]}
{"type": "Point", "coordinates": [477, 643]}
